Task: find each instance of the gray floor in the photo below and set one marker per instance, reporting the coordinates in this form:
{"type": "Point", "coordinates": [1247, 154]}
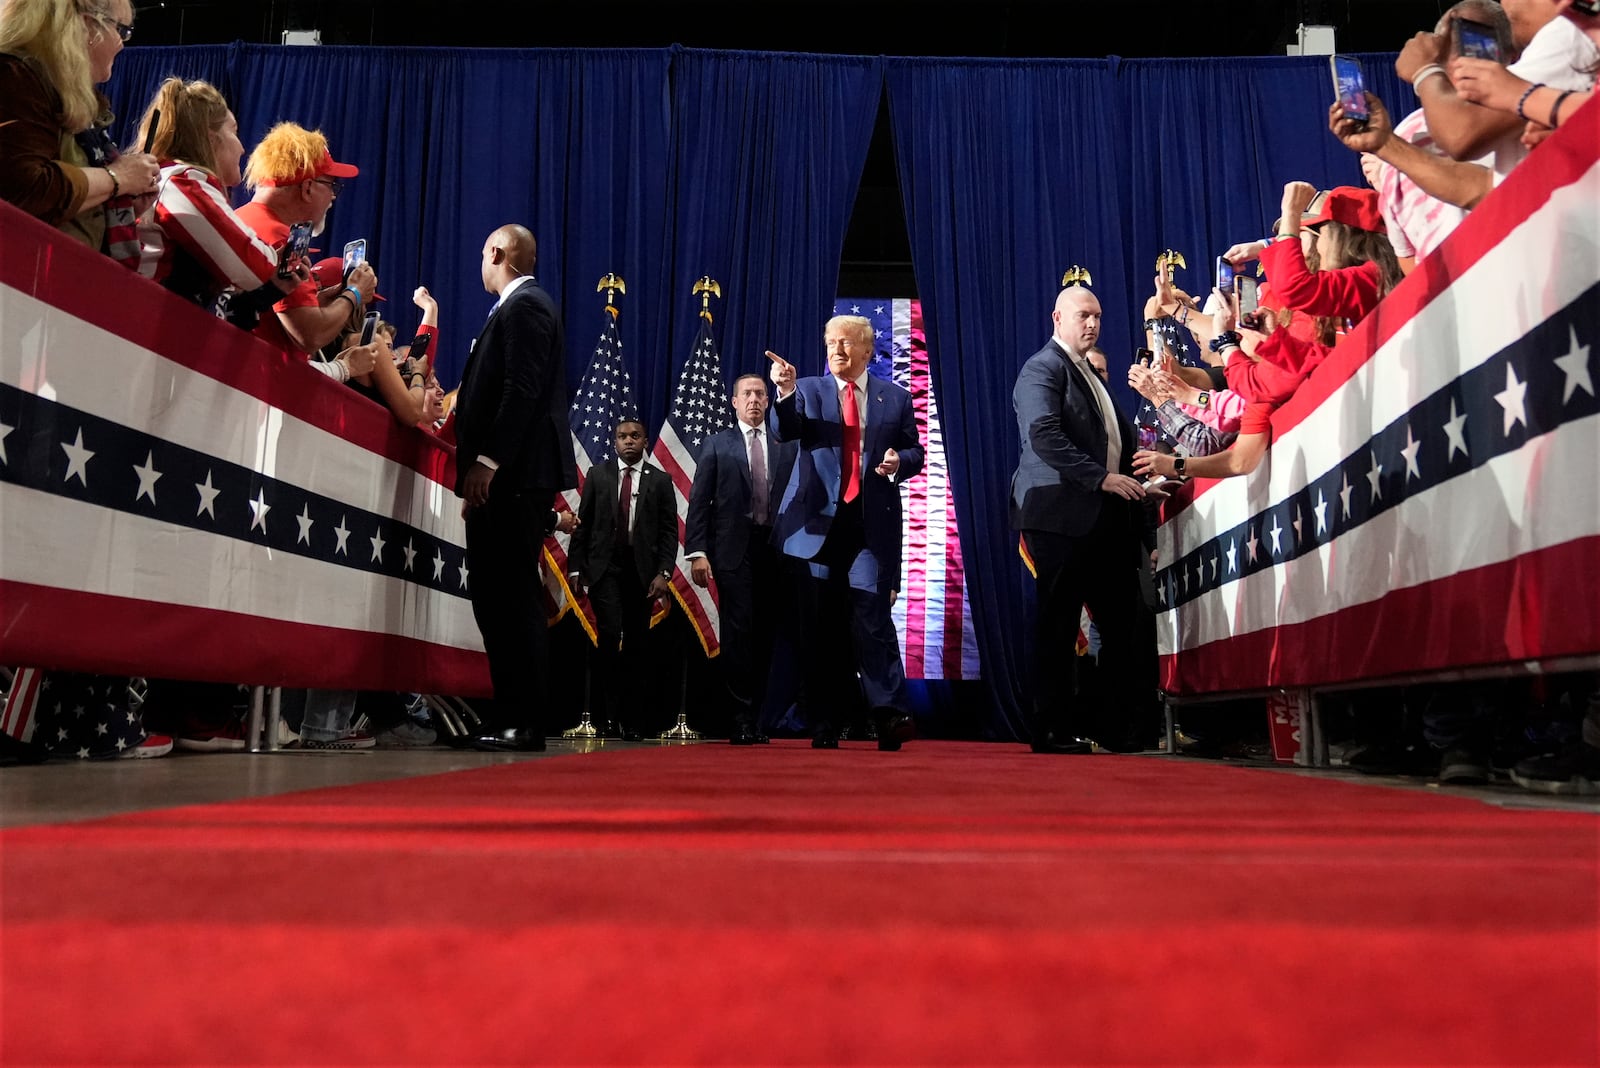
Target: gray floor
{"type": "Point", "coordinates": [60, 791]}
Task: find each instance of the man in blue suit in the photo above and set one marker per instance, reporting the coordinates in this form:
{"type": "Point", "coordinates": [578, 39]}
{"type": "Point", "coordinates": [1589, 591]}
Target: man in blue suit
{"type": "Point", "coordinates": [840, 513]}
{"type": "Point", "coordinates": [1082, 519]}
{"type": "Point", "coordinates": [738, 481]}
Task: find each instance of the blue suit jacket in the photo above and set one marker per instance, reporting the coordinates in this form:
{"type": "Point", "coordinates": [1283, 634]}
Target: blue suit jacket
{"type": "Point", "coordinates": [718, 519]}
{"type": "Point", "coordinates": [811, 416]}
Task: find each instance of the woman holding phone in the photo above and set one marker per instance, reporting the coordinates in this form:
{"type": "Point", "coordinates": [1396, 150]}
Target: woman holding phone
{"type": "Point", "coordinates": [191, 241]}
{"type": "Point", "coordinates": [57, 160]}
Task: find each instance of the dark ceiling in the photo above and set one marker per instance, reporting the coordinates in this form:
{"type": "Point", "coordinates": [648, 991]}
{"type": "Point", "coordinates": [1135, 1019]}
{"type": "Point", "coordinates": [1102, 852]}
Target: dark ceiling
{"type": "Point", "coordinates": [1041, 28]}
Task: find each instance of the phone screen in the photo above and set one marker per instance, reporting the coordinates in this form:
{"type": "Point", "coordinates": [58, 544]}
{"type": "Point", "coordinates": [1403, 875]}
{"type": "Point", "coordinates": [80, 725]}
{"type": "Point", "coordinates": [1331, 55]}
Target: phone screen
{"type": "Point", "coordinates": [1144, 356]}
{"type": "Point", "coordinates": [1249, 294]}
{"type": "Point", "coordinates": [1350, 87]}
{"type": "Point", "coordinates": [1477, 41]}
{"type": "Point", "coordinates": [368, 327]}
{"type": "Point", "coordinates": [1224, 275]}
{"type": "Point", "coordinates": [355, 254]}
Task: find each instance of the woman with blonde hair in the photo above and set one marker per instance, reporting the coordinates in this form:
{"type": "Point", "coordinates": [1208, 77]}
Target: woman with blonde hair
{"type": "Point", "coordinates": [57, 160]}
{"type": "Point", "coordinates": [192, 241]}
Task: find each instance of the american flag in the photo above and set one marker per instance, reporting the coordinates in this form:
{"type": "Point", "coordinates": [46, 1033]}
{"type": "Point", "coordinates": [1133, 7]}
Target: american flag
{"type": "Point", "coordinates": [700, 408]}
{"type": "Point", "coordinates": [933, 613]}
{"type": "Point", "coordinates": [1430, 500]}
{"type": "Point", "coordinates": [215, 522]}
{"type": "Point", "coordinates": [604, 398]}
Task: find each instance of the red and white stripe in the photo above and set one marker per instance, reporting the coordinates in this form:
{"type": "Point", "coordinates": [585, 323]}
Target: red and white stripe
{"type": "Point", "coordinates": [673, 457]}
{"type": "Point", "coordinates": [1492, 566]}
{"type": "Point", "coordinates": [192, 212]}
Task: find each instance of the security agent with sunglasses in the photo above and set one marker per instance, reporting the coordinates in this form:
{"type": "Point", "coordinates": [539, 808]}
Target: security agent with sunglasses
{"type": "Point", "coordinates": [296, 179]}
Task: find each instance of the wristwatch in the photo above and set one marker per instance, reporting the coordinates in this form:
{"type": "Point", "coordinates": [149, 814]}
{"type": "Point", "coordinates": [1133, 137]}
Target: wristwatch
{"type": "Point", "coordinates": [1204, 399]}
{"type": "Point", "coordinates": [1178, 464]}
{"type": "Point", "coordinates": [666, 574]}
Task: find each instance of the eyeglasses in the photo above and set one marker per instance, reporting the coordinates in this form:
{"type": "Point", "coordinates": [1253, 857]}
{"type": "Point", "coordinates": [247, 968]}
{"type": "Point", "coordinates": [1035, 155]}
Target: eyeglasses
{"type": "Point", "coordinates": [333, 184]}
{"type": "Point", "coordinates": [124, 30]}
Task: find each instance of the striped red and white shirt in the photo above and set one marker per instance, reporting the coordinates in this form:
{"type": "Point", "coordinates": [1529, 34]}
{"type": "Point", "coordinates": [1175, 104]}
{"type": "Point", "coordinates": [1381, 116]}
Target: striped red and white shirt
{"type": "Point", "coordinates": [192, 213]}
{"type": "Point", "coordinates": [1417, 223]}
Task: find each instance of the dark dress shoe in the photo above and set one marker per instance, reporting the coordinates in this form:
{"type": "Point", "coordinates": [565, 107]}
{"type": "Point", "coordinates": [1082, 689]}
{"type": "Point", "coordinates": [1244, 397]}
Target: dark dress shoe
{"type": "Point", "coordinates": [627, 733]}
{"type": "Point", "coordinates": [747, 736]}
{"type": "Point", "coordinates": [508, 741]}
{"type": "Point", "coordinates": [897, 728]}
{"type": "Point", "coordinates": [825, 740]}
{"type": "Point", "coordinates": [1061, 743]}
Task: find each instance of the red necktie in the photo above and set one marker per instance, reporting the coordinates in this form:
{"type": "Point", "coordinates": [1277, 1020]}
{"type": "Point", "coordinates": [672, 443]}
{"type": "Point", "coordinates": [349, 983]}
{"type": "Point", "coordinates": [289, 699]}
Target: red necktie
{"type": "Point", "coordinates": [852, 443]}
{"type": "Point", "coordinates": [624, 505]}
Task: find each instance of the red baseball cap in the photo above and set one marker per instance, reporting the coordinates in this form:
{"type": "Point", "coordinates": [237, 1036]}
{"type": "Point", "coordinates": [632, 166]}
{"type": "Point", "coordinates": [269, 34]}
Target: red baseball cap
{"type": "Point", "coordinates": [1351, 205]}
{"type": "Point", "coordinates": [329, 167]}
{"type": "Point", "coordinates": [330, 272]}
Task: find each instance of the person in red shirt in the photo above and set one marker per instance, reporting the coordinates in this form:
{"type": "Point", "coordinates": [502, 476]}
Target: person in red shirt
{"type": "Point", "coordinates": [296, 179]}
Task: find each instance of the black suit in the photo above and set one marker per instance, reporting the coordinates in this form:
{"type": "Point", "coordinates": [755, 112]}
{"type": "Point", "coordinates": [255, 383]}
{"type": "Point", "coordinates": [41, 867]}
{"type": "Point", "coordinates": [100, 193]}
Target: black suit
{"type": "Point", "coordinates": [618, 568]}
{"type": "Point", "coordinates": [512, 409]}
{"type": "Point", "coordinates": [1087, 546]}
{"type": "Point", "coordinates": [752, 584]}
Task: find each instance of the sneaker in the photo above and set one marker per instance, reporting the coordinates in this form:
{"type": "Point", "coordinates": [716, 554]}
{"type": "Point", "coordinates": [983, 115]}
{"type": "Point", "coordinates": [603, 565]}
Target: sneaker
{"type": "Point", "coordinates": [227, 738]}
{"type": "Point", "coordinates": [407, 734]}
{"type": "Point", "coordinates": [1574, 770]}
{"type": "Point", "coordinates": [352, 740]}
{"type": "Point", "coordinates": [154, 745]}
{"type": "Point", "coordinates": [1463, 767]}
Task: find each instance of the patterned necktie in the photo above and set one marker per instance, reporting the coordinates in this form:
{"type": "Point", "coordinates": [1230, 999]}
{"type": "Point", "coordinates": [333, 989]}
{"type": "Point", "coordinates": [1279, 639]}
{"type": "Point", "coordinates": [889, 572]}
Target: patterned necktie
{"type": "Point", "coordinates": [852, 443]}
{"type": "Point", "coordinates": [624, 506]}
{"type": "Point", "coordinates": [758, 480]}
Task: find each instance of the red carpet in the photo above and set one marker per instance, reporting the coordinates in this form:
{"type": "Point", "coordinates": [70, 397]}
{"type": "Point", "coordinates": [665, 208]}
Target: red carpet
{"type": "Point", "coordinates": [950, 904]}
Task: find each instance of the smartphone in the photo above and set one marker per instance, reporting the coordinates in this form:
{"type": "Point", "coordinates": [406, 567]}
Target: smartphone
{"type": "Point", "coordinates": [299, 241]}
{"type": "Point", "coordinates": [369, 326]}
{"type": "Point", "coordinates": [1476, 40]}
{"type": "Point", "coordinates": [417, 347]}
{"type": "Point", "coordinates": [1225, 275]}
{"type": "Point", "coordinates": [1350, 87]}
{"type": "Point", "coordinates": [1144, 356]}
{"type": "Point", "coordinates": [1248, 291]}
{"type": "Point", "coordinates": [355, 254]}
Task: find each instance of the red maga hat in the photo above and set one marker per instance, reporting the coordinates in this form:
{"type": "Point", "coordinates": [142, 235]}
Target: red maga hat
{"type": "Point", "coordinates": [328, 167]}
{"type": "Point", "coordinates": [1351, 205]}
{"type": "Point", "coordinates": [330, 272]}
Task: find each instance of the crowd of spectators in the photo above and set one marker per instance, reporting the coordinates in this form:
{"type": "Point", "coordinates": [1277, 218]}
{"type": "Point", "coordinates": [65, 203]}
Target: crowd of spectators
{"type": "Point", "coordinates": [1217, 370]}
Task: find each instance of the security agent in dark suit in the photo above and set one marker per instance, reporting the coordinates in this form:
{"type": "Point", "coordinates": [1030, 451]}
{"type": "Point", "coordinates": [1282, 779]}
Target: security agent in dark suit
{"type": "Point", "coordinates": [841, 514]}
{"type": "Point", "coordinates": [738, 481]}
{"type": "Point", "coordinates": [1082, 519]}
{"type": "Point", "coordinates": [513, 455]}
{"type": "Point", "coordinates": [623, 554]}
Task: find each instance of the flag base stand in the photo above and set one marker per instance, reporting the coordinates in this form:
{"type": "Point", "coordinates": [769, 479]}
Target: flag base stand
{"type": "Point", "coordinates": [584, 729]}
{"type": "Point", "coordinates": [680, 730]}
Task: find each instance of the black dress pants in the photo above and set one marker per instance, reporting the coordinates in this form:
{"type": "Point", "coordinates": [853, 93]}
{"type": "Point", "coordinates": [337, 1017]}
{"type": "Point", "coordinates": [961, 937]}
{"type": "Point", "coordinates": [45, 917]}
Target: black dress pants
{"type": "Point", "coordinates": [504, 538]}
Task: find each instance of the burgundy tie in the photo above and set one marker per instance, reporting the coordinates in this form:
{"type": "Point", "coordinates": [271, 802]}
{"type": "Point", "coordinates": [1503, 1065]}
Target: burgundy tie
{"type": "Point", "coordinates": [624, 505]}
{"type": "Point", "coordinates": [852, 443]}
{"type": "Point", "coordinates": [758, 480]}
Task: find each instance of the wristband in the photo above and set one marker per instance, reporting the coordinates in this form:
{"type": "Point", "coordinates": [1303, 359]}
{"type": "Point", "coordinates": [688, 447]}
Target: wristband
{"type": "Point", "coordinates": [1555, 112]}
{"type": "Point", "coordinates": [1179, 463]}
{"type": "Point", "coordinates": [1524, 99]}
{"type": "Point", "coordinates": [116, 186]}
{"type": "Point", "coordinates": [1426, 72]}
{"type": "Point", "coordinates": [1224, 339]}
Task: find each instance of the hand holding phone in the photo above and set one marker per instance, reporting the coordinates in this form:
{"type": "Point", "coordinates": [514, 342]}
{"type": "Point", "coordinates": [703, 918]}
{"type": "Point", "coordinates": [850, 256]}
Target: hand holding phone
{"type": "Point", "coordinates": [1349, 87]}
{"type": "Point", "coordinates": [295, 249]}
{"type": "Point", "coordinates": [355, 254]}
{"type": "Point", "coordinates": [369, 326]}
{"type": "Point", "coordinates": [1476, 40]}
{"type": "Point", "coordinates": [1225, 273]}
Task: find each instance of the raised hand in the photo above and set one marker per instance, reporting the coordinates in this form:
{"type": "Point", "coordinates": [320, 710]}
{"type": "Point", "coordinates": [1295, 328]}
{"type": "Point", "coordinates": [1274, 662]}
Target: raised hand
{"type": "Point", "coordinates": [782, 373]}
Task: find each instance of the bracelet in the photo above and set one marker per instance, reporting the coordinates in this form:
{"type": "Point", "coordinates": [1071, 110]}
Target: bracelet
{"type": "Point", "coordinates": [1524, 99]}
{"type": "Point", "coordinates": [1182, 314]}
{"type": "Point", "coordinates": [116, 186]}
{"type": "Point", "coordinates": [1426, 72]}
{"type": "Point", "coordinates": [1224, 339]}
{"type": "Point", "coordinates": [343, 369]}
{"type": "Point", "coordinates": [1555, 112]}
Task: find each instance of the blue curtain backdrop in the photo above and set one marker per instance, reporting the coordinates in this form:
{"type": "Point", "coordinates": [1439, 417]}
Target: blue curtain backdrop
{"type": "Point", "coordinates": [664, 165]}
{"type": "Point", "coordinates": [1013, 170]}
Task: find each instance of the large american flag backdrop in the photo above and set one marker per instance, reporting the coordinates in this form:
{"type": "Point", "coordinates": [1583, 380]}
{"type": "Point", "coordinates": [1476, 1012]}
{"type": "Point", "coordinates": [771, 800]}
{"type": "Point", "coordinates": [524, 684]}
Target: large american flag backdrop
{"type": "Point", "coordinates": [933, 613]}
{"type": "Point", "coordinates": [180, 500]}
{"type": "Point", "coordinates": [1431, 498]}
